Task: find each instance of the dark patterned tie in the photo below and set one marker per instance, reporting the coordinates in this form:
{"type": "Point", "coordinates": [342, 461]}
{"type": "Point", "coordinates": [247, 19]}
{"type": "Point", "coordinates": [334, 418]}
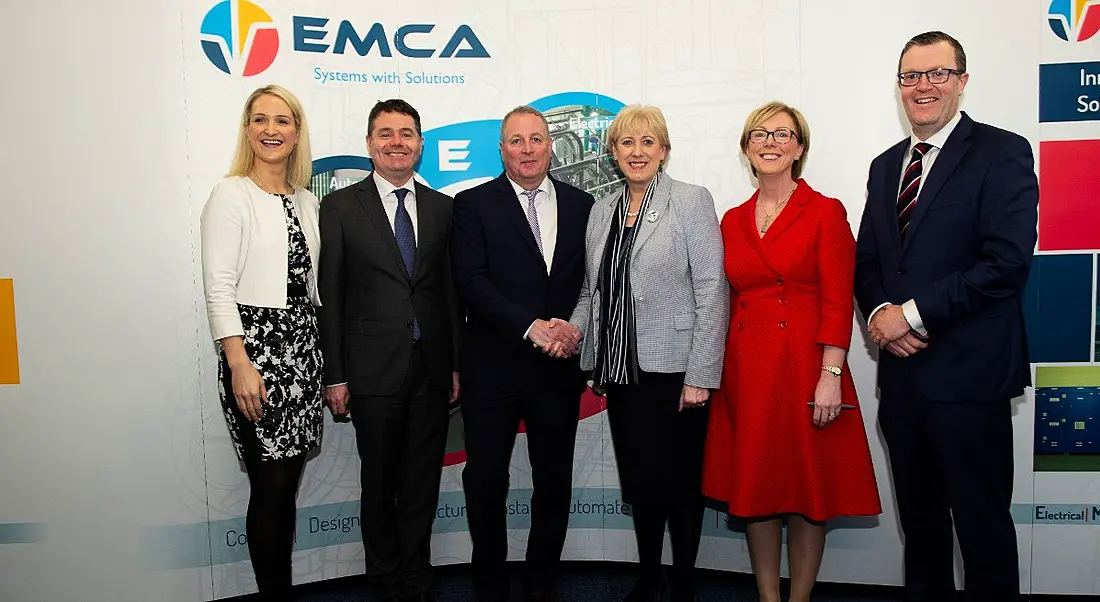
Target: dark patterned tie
{"type": "Point", "coordinates": [910, 186]}
{"type": "Point", "coordinates": [406, 242]}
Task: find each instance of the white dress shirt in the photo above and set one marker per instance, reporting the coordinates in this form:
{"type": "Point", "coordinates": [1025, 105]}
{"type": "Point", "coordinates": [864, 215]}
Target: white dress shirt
{"type": "Point", "coordinates": [937, 140]}
{"type": "Point", "coordinates": [389, 200]}
{"type": "Point", "coordinates": [546, 207]}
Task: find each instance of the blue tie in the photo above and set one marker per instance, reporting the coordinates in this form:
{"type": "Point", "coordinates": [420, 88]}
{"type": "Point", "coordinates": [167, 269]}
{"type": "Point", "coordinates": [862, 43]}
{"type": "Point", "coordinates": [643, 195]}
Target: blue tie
{"type": "Point", "coordinates": [406, 243]}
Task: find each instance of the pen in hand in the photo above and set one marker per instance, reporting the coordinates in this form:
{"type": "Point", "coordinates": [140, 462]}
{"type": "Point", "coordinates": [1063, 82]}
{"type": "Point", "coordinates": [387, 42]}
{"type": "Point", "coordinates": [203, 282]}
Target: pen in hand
{"type": "Point", "coordinates": [843, 406]}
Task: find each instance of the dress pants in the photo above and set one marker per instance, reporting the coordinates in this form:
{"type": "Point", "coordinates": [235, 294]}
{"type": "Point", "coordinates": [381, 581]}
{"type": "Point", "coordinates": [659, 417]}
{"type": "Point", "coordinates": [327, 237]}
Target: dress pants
{"type": "Point", "coordinates": [491, 425]}
{"type": "Point", "coordinates": [953, 460]}
{"type": "Point", "coordinates": [659, 454]}
{"type": "Point", "coordinates": [401, 440]}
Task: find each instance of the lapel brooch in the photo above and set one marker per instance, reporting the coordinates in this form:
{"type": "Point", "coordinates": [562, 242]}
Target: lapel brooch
{"type": "Point", "coordinates": [651, 215]}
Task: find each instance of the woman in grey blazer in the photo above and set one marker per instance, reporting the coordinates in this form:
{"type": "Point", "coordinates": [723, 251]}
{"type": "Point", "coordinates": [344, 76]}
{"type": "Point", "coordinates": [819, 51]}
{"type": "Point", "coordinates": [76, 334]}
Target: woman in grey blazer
{"type": "Point", "coordinates": [654, 310]}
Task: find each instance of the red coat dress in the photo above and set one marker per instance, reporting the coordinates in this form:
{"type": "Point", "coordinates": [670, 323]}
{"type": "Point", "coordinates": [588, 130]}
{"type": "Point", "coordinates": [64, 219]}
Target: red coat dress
{"type": "Point", "coordinates": [792, 294]}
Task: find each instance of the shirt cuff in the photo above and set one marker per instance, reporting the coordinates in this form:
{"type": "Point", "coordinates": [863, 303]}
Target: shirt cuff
{"type": "Point", "coordinates": [528, 331]}
{"type": "Point", "coordinates": [336, 385]}
{"type": "Point", "coordinates": [875, 311]}
{"type": "Point", "coordinates": [912, 315]}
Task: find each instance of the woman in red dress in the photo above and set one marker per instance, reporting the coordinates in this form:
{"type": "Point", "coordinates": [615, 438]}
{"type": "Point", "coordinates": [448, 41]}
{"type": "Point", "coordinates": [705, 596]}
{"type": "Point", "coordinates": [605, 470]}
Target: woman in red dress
{"type": "Point", "coordinates": [786, 439]}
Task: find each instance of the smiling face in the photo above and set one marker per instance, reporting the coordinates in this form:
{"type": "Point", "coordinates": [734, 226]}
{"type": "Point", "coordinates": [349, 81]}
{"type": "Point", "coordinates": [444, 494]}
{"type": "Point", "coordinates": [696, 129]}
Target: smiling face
{"type": "Point", "coordinates": [525, 150]}
{"type": "Point", "coordinates": [770, 157]}
{"type": "Point", "coordinates": [272, 131]}
{"type": "Point", "coordinates": [394, 146]}
{"type": "Point", "coordinates": [930, 106]}
{"type": "Point", "coordinates": [639, 156]}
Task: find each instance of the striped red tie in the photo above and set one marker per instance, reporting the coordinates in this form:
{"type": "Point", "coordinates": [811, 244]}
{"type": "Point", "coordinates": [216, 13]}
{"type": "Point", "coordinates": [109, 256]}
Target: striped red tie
{"type": "Point", "coordinates": [910, 186]}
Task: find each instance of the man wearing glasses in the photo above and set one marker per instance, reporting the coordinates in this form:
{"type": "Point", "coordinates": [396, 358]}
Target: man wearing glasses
{"type": "Point", "coordinates": [943, 254]}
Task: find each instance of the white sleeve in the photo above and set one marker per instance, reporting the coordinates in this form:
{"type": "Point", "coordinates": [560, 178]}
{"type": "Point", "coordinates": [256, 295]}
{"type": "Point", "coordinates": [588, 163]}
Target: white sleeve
{"type": "Point", "coordinates": [222, 229]}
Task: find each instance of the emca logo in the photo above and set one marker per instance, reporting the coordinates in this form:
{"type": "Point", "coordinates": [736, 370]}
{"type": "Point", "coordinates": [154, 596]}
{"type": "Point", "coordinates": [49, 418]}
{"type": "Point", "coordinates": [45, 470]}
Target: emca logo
{"type": "Point", "coordinates": [239, 37]}
{"type": "Point", "coordinates": [1074, 20]}
{"type": "Point", "coordinates": [311, 33]}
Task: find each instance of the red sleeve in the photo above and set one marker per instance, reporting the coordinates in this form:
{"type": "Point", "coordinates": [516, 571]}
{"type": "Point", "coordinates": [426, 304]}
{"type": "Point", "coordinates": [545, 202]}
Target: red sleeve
{"type": "Point", "coordinates": [836, 264]}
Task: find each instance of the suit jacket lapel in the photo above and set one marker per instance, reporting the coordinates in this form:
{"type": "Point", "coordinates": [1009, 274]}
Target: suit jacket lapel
{"type": "Point", "coordinates": [511, 207]}
{"type": "Point", "coordinates": [658, 208]}
{"type": "Point", "coordinates": [566, 218]}
{"type": "Point", "coordinates": [894, 158]}
{"type": "Point", "coordinates": [958, 143]}
{"type": "Point", "coordinates": [372, 205]}
{"type": "Point", "coordinates": [428, 223]}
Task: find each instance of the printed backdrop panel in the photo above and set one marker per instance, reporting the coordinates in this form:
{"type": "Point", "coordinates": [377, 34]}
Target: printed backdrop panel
{"type": "Point", "coordinates": [120, 481]}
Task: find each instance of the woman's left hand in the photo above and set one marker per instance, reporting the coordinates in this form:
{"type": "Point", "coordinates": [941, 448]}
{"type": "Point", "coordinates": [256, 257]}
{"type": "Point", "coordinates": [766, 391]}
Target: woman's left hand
{"type": "Point", "coordinates": [691, 397]}
{"type": "Point", "coordinates": [826, 400]}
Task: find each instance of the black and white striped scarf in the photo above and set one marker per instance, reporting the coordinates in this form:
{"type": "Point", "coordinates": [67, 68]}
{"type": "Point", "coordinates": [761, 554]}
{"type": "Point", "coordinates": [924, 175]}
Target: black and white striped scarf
{"type": "Point", "coordinates": [617, 361]}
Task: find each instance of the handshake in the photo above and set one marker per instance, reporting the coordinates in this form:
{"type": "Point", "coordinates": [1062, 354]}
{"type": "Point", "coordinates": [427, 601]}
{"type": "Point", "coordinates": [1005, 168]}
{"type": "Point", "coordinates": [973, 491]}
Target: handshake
{"type": "Point", "coordinates": [556, 337]}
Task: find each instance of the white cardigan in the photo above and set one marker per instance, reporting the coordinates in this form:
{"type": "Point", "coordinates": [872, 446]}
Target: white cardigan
{"type": "Point", "coordinates": [244, 250]}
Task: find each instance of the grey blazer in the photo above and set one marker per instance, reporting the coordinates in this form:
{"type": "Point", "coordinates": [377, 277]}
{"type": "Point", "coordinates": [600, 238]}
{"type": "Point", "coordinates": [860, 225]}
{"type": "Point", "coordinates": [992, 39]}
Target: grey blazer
{"type": "Point", "coordinates": [681, 296]}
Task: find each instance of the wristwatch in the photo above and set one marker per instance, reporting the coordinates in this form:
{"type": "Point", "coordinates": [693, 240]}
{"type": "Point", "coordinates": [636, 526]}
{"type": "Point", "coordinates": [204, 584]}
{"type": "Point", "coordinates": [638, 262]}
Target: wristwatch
{"type": "Point", "coordinates": [834, 370]}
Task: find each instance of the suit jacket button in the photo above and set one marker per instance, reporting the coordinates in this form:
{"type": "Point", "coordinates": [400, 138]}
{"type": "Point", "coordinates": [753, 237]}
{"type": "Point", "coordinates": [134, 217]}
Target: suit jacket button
{"type": "Point", "coordinates": [740, 326]}
{"type": "Point", "coordinates": [901, 271]}
{"type": "Point", "coordinates": [409, 324]}
{"type": "Point", "coordinates": [782, 324]}
{"type": "Point", "coordinates": [779, 282]}
{"type": "Point", "coordinates": [782, 300]}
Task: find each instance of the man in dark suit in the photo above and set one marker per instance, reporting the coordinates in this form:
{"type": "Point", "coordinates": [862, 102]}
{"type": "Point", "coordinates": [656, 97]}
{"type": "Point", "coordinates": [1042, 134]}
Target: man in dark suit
{"type": "Point", "coordinates": [390, 330]}
{"type": "Point", "coordinates": [943, 255]}
{"type": "Point", "coordinates": [518, 256]}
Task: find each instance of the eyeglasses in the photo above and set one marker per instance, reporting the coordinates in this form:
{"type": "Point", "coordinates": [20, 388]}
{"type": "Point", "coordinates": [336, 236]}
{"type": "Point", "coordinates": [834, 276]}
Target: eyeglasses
{"type": "Point", "coordinates": [780, 135]}
{"type": "Point", "coordinates": [935, 76]}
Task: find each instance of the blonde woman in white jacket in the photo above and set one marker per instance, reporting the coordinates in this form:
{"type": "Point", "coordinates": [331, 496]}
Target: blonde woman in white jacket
{"type": "Point", "coordinates": [259, 257]}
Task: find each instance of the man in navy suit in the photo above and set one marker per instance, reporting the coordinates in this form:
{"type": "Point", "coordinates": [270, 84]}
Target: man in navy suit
{"type": "Point", "coordinates": [943, 255]}
{"type": "Point", "coordinates": [517, 249]}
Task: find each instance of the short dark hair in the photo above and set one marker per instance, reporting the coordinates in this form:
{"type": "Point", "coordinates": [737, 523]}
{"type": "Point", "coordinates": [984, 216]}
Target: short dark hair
{"type": "Point", "coordinates": [935, 37]}
{"type": "Point", "coordinates": [393, 105]}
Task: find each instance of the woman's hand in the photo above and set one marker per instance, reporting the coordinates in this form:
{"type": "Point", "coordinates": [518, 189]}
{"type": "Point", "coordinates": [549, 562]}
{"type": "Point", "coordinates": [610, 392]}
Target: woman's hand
{"type": "Point", "coordinates": [691, 397]}
{"type": "Point", "coordinates": [249, 389]}
{"type": "Point", "coordinates": [826, 400]}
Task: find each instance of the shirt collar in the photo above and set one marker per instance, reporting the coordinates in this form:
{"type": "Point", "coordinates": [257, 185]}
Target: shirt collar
{"type": "Point", "coordinates": [544, 186]}
{"type": "Point", "coordinates": [939, 138]}
{"type": "Point", "coordinates": [385, 188]}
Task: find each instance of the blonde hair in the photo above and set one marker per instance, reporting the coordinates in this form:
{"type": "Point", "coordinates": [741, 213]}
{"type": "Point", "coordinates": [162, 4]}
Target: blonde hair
{"type": "Point", "coordinates": [801, 130]}
{"type": "Point", "coordinates": [636, 119]}
{"type": "Point", "coordinates": [300, 162]}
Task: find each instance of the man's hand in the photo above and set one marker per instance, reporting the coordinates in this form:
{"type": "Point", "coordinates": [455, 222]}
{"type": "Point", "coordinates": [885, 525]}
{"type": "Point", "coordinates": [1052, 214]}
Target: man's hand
{"type": "Point", "coordinates": [907, 345]}
{"type": "Point", "coordinates": [888, 325]}
{"type": "Point", "coordinates": [456, 390]}
{"type": "Point", "coordinates": [555, 337]}
{"type": "Point", "coordinates": [336, 398]}
{"type": "Point", "coordinates": [569, 339]}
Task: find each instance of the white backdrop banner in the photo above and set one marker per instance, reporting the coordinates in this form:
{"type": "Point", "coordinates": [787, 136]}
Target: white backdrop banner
{"type": "Point", "coordinates": [162, 498]}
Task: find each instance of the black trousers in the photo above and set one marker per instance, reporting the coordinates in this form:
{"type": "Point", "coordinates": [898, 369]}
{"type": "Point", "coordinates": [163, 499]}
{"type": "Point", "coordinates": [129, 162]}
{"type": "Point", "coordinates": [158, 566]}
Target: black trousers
{"type": "Point", "coordinates": [401, 440]}
{"type": "Point", "coordinates": [659, 454]}
{"type": "Point", "coordinates": [953, 460]}
{"type": "Point", "coordinates": [491, 426]}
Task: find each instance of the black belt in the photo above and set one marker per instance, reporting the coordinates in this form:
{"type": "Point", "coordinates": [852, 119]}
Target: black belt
{"type": "Point", "coordinates": [297, 289]}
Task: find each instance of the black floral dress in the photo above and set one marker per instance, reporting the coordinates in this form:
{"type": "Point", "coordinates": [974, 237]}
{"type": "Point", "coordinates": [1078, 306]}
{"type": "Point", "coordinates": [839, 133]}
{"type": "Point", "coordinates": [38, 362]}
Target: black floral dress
{"type": "Point", "coordinates": [283, 346]}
